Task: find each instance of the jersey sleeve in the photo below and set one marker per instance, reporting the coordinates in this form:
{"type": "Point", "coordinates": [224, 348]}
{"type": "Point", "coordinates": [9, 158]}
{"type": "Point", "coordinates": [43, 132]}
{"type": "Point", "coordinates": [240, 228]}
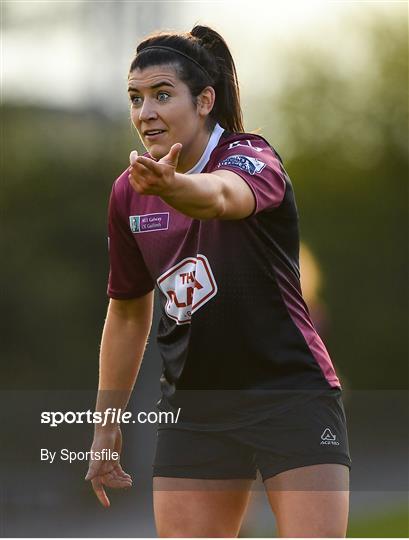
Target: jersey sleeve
{"type": "Point", "coordinates": [128, 274]}
{"type": "Point", "coordinates": [255, 161]}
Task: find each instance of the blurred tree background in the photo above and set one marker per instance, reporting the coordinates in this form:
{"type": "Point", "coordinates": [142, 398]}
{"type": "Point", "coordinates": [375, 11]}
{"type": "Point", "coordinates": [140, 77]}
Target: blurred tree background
{"type": "Point", "coordinates": [345, 148]}
{"type": "Point", "coordinates": [347, 134]}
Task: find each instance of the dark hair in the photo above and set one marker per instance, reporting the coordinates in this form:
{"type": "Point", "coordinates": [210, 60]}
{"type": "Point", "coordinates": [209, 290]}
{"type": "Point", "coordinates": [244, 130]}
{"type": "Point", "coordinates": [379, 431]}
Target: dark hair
{"type": "Point", "coordinates": [212, 65]}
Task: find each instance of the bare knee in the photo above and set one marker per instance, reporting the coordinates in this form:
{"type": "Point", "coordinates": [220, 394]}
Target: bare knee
{"type": "Point", "coordinates": [193, 531]}
{"type": "Point", "coordinates": [309, 530]}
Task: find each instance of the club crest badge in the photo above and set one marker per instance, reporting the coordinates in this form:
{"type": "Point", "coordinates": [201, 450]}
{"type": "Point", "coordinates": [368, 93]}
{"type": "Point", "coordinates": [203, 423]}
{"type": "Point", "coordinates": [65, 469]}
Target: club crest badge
{"type": "Point", "coordinates": [247, 164]}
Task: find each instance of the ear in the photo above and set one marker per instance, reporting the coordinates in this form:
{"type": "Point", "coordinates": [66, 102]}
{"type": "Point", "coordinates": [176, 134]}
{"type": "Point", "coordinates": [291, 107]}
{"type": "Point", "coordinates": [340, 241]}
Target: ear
{"type": "Point", "coordinates": [205, 101]}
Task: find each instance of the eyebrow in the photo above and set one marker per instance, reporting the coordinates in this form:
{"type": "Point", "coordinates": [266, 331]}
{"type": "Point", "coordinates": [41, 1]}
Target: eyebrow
{"type": "Point", "coordinates": [156, 85]}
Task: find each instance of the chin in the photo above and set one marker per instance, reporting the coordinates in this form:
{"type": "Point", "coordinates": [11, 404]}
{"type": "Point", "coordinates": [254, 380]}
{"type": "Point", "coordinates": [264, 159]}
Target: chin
{"type": "Point", "coordinates": [158, 152]}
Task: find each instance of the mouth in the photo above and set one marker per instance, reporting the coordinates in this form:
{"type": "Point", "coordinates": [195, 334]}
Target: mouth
{"type": "Point", "coordinates": [153, 134]}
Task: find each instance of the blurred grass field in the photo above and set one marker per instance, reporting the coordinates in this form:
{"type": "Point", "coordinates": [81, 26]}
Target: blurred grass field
{"type": "Point", "coordinates": [391, 524]}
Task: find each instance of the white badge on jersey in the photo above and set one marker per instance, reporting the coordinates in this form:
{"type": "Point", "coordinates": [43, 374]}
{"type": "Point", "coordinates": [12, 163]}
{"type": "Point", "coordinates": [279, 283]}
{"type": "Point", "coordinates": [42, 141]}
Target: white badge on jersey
{"type": "Point", "coordinates": [246, 143]}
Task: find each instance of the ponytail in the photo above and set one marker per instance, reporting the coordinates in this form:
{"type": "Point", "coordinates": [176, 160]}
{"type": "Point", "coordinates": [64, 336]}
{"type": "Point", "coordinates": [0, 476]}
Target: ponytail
{"type": "Point", "coordinates": [202, 58]}
{"type": "Point", "coordinates": [227, 109]}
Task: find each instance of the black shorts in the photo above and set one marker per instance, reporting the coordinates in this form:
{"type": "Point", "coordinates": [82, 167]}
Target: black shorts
{"type": "Point", "coordinates": [311, 434]}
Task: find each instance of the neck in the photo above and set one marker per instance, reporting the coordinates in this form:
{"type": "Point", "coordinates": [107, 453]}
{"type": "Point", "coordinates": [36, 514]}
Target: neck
{"type": "Point", "coordinates": [191, 154]}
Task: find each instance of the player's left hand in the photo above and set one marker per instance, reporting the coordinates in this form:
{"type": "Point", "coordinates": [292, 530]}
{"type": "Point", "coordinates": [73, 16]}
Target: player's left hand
{"type": "Point", "coordinates": [149, 177]}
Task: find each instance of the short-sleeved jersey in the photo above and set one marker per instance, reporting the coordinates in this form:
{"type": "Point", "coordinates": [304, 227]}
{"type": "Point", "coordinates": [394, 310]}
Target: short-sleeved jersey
{"type": "Point", "coordinates": [234, 331]}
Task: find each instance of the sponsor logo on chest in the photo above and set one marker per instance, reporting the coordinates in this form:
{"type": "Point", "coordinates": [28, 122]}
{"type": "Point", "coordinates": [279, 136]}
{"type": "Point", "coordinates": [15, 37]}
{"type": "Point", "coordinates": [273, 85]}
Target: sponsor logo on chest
{"type": "Point", "coordinates": [149, 222]}
{"type": "Point", "coordinates": [188, 285]}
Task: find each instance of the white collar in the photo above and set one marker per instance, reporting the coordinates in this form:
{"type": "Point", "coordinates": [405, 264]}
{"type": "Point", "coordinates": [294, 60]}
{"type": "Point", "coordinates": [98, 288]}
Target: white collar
{"type": "Point", "coordinates": [211, 145]}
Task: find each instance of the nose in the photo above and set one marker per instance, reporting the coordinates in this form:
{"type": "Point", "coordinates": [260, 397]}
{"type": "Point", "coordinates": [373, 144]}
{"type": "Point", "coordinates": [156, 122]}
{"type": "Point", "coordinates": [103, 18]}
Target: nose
{"type": "Point", "coordinates": [147, 111]}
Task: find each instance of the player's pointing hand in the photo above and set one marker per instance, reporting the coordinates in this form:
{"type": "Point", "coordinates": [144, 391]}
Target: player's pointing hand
{"type": "Point", "coordinates": [172, 157]}
{"type": "Point", "coordinates": [150, 177]}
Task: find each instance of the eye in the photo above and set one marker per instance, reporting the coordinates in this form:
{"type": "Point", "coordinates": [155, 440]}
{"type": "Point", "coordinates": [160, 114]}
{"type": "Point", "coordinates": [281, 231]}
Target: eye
{"type": "Point", "coordinates": [163, 96]}
{"type": "Point", "coordinates": [135, 100]}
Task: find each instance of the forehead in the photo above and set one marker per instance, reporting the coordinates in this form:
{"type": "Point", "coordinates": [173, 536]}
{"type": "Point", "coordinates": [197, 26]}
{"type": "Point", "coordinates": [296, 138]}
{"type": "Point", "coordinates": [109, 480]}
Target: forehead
{"type": "Point", "coordinates": [145, 78]}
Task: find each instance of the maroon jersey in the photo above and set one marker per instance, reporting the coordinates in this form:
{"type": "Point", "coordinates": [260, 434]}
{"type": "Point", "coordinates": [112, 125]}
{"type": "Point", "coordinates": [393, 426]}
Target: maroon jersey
{"type": "Point", "coordinates": [233, 322]}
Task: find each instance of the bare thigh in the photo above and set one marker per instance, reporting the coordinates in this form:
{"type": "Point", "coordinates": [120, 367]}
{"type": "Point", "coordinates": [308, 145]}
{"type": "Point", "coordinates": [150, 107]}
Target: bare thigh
{"type": "Point", "coordinates": [311, 501]}
{"type": "Point", "coordinates": [186, 507]}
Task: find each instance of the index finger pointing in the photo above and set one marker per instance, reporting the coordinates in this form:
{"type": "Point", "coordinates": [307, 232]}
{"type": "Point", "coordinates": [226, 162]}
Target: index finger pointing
{"type": "Point", "coordinates": [100, 492]}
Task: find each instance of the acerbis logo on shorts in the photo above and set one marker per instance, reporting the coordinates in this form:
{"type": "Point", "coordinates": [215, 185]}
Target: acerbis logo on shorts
{"type": "Point", "coordinates": [248, 164]}
{"type": "Point", "coordinates": [187, 286]}
{"type": "Point", "coordinates": [328, 437]}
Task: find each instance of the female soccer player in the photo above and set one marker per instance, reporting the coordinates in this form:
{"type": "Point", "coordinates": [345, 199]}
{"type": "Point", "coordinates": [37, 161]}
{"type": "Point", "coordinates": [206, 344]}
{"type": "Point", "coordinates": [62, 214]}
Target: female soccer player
{"type": "Point", "coordinates": [208, 215]}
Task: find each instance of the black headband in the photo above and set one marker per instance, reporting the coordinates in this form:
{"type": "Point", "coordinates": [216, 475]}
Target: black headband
{"type": "Point", "coordinates": [171, 49]}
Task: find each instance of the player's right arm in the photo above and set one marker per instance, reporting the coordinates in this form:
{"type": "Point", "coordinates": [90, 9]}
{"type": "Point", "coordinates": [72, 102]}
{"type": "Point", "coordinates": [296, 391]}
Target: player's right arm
{"type": "Point", "coordinates": [123, 342]}
{"type": "Point", "coordinates": [124, 337]}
